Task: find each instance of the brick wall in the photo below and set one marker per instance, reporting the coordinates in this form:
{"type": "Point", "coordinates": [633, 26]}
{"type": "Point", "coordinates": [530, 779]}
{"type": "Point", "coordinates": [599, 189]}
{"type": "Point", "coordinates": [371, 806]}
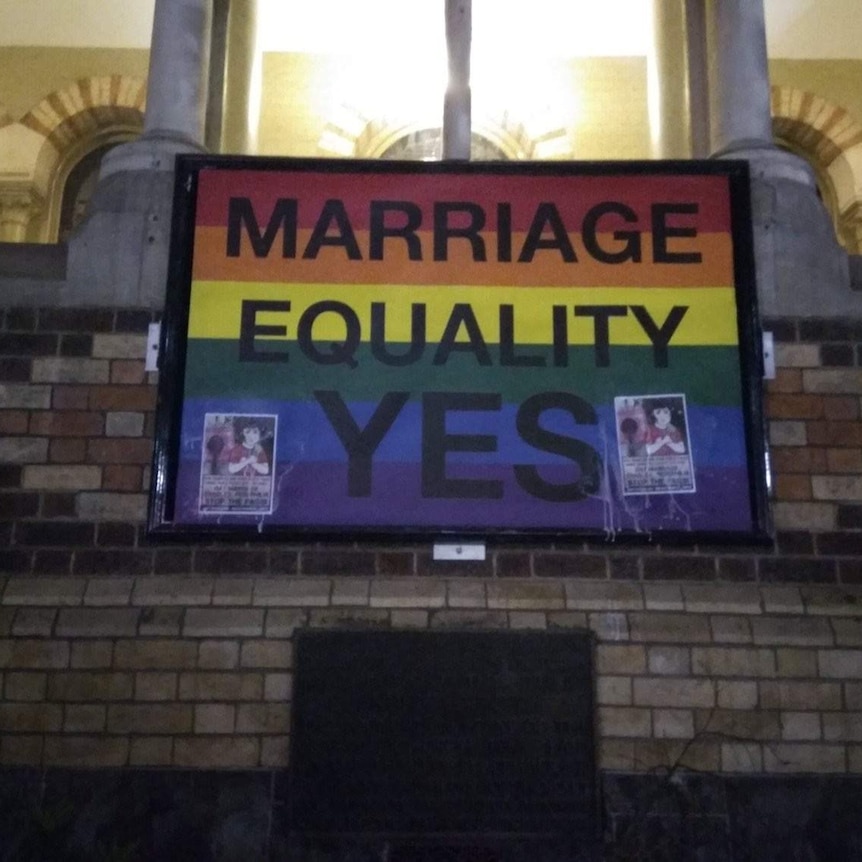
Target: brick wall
{"type": "Point", "coordinates": [115, 651]}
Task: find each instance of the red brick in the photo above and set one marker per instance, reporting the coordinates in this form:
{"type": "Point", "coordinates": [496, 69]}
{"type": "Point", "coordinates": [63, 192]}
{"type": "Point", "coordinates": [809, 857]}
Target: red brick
{"type": "Point", "coordinates": [835, 433]}
{"type": "Point", "coordinates": [797, 459]}
{"type": "Point", "coordinates": [844, 460]}
{"type": "Point", "coordinates": [117, 477]}
{"type": "Point", "coordinates": [784, 406]}
{"type": "Point", "coordinates": [128, 371]}
{"type": "Point", "coordinates": [792, 488]}
{"type": "Point", "coordinates": [840, 407]}
{"type": "Point", "coordinates": [13, 422]}
{"type": "Point", "coordinates": [69, 423]}
{"type": "Point", "coordinates": [120, 451]}
{"type": "Point", "coordinates": [786, 380]}
{"type": "Point", "coordinates": [70, 397]}
{"type": "Point", "coordinates": [123, 397]}
{"type": "Point", "coordinates": [67, 450]}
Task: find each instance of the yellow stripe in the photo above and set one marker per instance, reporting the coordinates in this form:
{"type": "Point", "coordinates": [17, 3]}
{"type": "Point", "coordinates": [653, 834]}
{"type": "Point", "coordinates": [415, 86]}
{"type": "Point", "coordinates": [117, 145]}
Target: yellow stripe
{"type": "Point", "coordinates": [710, 318]}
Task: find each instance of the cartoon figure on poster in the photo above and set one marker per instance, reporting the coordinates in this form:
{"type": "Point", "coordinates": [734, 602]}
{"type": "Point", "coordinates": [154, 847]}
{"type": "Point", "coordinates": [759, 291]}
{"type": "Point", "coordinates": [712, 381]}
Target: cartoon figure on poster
{"type": "Point", "coordinates": [237, 464]}
{"type": "Point", "coordinates": [655, 452]}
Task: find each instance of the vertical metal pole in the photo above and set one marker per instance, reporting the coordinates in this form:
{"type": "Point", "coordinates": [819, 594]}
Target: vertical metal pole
{"type": "Point", "coordinates": [456, 104]}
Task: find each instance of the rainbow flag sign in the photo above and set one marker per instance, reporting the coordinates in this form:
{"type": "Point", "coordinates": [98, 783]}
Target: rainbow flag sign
{"type": "Point", "coordinates": [460, 349]}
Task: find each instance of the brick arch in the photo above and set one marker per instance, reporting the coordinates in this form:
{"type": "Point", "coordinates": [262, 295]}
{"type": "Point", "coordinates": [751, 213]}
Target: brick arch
{"type": "Point", "coordinates": [830, 139]}
{"type": "Point", "coordinates": [74, 121]}
{"type": "Point", "coordinates": [66, 116]}
{"type": "Point", "coordinates": [815, 125]}
{"type": "Point", "coordinates": [353, 134]}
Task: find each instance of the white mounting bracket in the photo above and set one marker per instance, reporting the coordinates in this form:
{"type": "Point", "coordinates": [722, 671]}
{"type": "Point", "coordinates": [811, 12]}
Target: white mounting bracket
{"type": "Point", "coordinates": [151, 359]}
{"type": "Point", "coordinates": [462, 551]}
{"type": "Point", "coordinates": [768, 356]}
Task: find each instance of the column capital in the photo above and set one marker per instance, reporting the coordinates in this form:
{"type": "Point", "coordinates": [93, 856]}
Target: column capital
{"type": "Point", "coordinates": [19, 205]}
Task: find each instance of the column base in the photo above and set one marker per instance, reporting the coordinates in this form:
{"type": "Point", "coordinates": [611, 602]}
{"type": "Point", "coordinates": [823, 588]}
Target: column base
{"type": "Point", "coordinates": [801, 269]}
{"type": "Point", "coordinates": [153, 151]}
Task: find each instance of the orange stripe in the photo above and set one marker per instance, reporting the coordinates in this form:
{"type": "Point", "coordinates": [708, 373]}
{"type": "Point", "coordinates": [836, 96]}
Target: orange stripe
{"type": "Point", "coordinates": [546, 269]}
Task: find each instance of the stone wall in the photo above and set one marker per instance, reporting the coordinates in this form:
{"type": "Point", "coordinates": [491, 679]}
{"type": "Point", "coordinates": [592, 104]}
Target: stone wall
{"type": "Point", "coordinates": [737, 662]}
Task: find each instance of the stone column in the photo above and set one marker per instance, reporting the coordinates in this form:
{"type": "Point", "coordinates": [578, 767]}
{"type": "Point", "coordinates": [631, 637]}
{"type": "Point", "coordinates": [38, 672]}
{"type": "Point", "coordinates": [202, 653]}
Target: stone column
{"type": "Point", "coordinates": [176, 89]}
{"type": "Point", "coordinates": [119, 256]}
{"type": "Point", "coordinates": [241, 94]}
{"type": "Point", "coordinates": [456, 104]}
{"type": "Point", "coordinates": [18, 207]}
{"type": "Point", "coordinates": [667, 82]}
{"type": "Point", "coordinates": [801, 269]}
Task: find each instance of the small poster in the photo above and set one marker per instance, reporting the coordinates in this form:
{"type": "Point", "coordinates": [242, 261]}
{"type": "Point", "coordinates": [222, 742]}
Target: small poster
{"type": "Point", "coordinates": [654, 446]}
{"type": "Point", "coordinates": [237, 464]}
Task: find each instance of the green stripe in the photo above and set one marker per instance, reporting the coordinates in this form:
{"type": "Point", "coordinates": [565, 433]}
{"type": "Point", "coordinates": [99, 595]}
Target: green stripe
{"type": "Point", "coordinates": [707, 375]}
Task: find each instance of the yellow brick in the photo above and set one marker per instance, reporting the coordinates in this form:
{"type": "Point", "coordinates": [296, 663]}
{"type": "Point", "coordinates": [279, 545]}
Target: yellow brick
{"type": "Point", "coordinates": [217, 752]}
{"type": "Point", "coordinates": [283, 622]}
{"type": "Point", "coordinates": [799, 695]}
{"type": "Point", "coordinates": [669, 628]}
{"type": "Point", "coordinates": [796, 662]}
{"type": "Point", "coordinates": [30, 717]}
{"type": "Point", "coordinates": [527, 620]}
{"type": "Point", "coordinates": [746, 757]}
{"type": "Point", "coordinates": [733, 694]}
{"type": "Point", "coordinates": [792, 631]}
{"type": "Point", "coordinates": [722, 598]}
{"type": "Point", "coordinates": [25, 686]}
{"type": "Point", "coordinates": [793, 757]}
{"type": "Point", "coordinates": [61, 477]}
{"type": "Point", "coordinates": [669, 660]}
{"type": "Point", "coordinates": [161, 622]}
{"type": "Point", "coordinates": [466, 593]}
{"type": "Point", "coordinates": [732, 661]}
{"type": "Point", "coordinates": [34, 622]}
{"type": "Point", "coordinates": [223, 622]}
{"type": "Point", "coordinates": [666, 692]}
{"type": "Point", "coordinates": [663, 597]}
{"type": "Point", "coordinates": [348, 617]}
{"type": "Point", "coordinates": [267, 654]}
{"type": "Point", "coordinates": [108, 591]}
{"type": "Point", "coordinates": [730, 629]}
{"type": "Point", "coordinates": [84, 718]}
{"type": "Point", "coordinates": [411, 592]}
{"type": "Point", "coordinates": [800, 726]}
{"type": "Point", "coordinates": [21, 749]}
{"type": "Point", "coordinates": [224, 686]}
{"type": "Point", "coordinates": [96, 622]}
{"type": "Point", "coordinates": [624, 721]}
{"type": "Point", "coordinates": [232, 591]}
{"type": "Point", "coordinates": [83, 686]}
{"type": "Point", "coordinates": [350, 591]}
{"type": "Point", "coordinates": [614, 690]}
{"type": "Point", "coordinates": [25, 654]}
{"type": "Point", "coordinates": [92, 654]}
{"type": "Point", "coordinates": [278, 686]}
{"type": "Point", "coordinates": [162, 654]}
{"type": "Point", "coordinates": [673, 723]}
{"type": "Point", "coordinates": [842, 727]}
{"type": "Point", "coordinates": [151, 751]}
{"type": "Point", "coordinates": [609, 626]}
{"type": "Point", "coordinates": [583, 595]}
{"type": "Point", "coordinates": [408, 618]}
{"type": "Point", "coordinates": [620, 659]}
{"type": "Point", "coordinates": [275, 752]}
{"type": "Point", "coordinates": [171, 590]}
{"type": "Point", "coordinates": [292, 592]}
{"type": "Point", "coordinates": [215, 718]}
{"type": "Point", "coordinates": [218, 655]}
{"type": "Point", "coordinates": [617, 754]}
{"type": "Point", "coordinates": [782, 600]}
{"type": "Point", "coordinates": [86, 751]}
{"type": "Point", "coordinates": [669, 753]}
{"type": "Point", "coordinates": [472, 619]}
{"type": "Point", "coordinates": [263, 718]}
{"type": "Point", "coordinates": [748, 724]}
{"type": "Point", "coordinates": [519, 595]}
{"type": "Point", "coordinates": [840, 663]}
{"type": "Point", "coordinates": [155, 685]}
{"type": "Point", "coordinates": [44, 591]}
{"type": "Point", "coordinates": [150, 718]}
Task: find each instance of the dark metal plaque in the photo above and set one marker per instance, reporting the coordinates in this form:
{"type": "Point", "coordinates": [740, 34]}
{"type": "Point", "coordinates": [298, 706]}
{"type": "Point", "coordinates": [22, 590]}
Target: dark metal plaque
{"type": "Point", "coordinates": [443, 733]}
